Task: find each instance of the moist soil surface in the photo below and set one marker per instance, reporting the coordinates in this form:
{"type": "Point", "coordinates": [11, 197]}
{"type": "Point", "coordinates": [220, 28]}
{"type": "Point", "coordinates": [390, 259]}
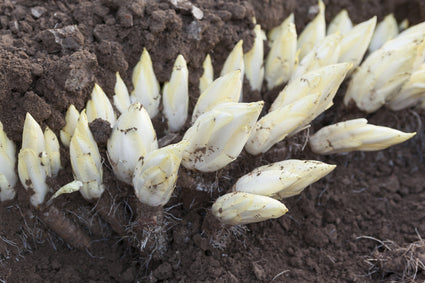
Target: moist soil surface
{"type": "Point", "coordinates": [361, 223]}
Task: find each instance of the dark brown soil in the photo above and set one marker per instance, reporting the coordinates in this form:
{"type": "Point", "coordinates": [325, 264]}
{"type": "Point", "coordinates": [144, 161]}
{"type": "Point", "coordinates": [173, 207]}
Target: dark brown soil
{"type": "Point", "coordinates": [338, 230]}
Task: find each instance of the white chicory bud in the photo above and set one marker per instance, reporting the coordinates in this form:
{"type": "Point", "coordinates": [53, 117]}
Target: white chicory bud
{"type": "Point", "coordinates": [282, 57]}
{"type": "Point", "coordinates": [69, 188]}
{"type": "Point", "coordinates": [208, 75]}
{"type": "Point", "coordinates": [385, 30]}
{"type": "Point", "coordinates": [32, 135]}
{"type": "Point", "coordinates": [52, 150]}
{"type": "Point", "coordinates": [313, 33]}
{"type": "Point", "coordinates": [32, 174]}
{"type": "Point", "coordinates": [33, 162]}
{"type": "Point", "coordinates": [156, 174]}
{"type": "Point", "coordinates": [235, 61]}
{"type": "Point", "coordinates": [327, 52]}
{"type": "Point", "coordinates": [224, 89]}
{"type": "Point", "coordinates": [218, 136]}
{"type": "Point", "coordinates": [85, 160]}
{"type": "Point", "coordinates": [327, 95]}
{"type": "Point", "coordinates": [132, 138]}
{"type": "Point", "coordinates": [404, 24]}
{"type": "Point", "coordinates": [325, 80]}
{"type": "Point", "coordinates": [355, 135]}
{"type": "Point", "coordinates": [254, 69]}
{"type": "Point", "coordinates": [411, 93]}
{"type": "Point", "coordinates": [413, 29]}
{"type": "Point", "coordinates": [146, 86]}
{"type": "Point", "coordinates": [404, 41]}
{"type": "Point", "coordinates": [283, 179]}
{"type": "Point", "coordinates": [8, 176]}
{"type": "Point", "coordinates": [239, 208]}
{"type": "Point", "coordinates": [99, 106]}
{"type": "Point", "coordinates": [121, 97]}
{"type": "Point", "coordinates": [276, 125]}
{"type": "Point", "coordinates": [175, 96]}
{"type": "Point", "coordinates": [341, 23]}
{"type": "Point", "coordinates": [355, 42]}
{"type": "Point", "coordinates": [71, 118]}
{"type": "Point", "coordinates": [384, 72]}
{"type": "Point", "coordinates": [275, 32]}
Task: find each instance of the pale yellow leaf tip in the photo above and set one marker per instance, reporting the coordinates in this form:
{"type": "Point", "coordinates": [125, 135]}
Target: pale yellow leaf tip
{"type": "Point", "coordinates": [234, 60]}
{"type": "Point", "coordinates": [253, 60]}
{"type": "Point", "coordinates": [385, 30]}
{"type": "Point", "coordinates": [283, 56]}
{"type": "Point", "coordinates": [340, 23]}
{"type": "Point", "coordinates": [208, 74]}
{"type": "Point", "coordinates": [99, 106]}
{"type": "Point", "coordinates": [276, 31]}
{"type": "Point", "coordinates": [314, 32]}
{"type": "Point", "coordinates": [146, 86]}
{"type": "Point", "coordinates": [121, 97]}
{"type": "Point", "coordinates": [224, 89]}
{"type": "Point", "coordinates": [53, 151]}
{"type": "Point", "coordinates": [71, 118]}
{"type": "Point", "coordinates": [69, 188]}
{"type": "Point", "coordinates": [175, 98]}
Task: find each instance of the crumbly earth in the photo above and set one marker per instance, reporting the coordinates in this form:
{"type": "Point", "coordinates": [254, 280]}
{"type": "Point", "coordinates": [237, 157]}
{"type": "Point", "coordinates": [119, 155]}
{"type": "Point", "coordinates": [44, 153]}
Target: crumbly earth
{"type": "Point", "coordinates": [337, 230]}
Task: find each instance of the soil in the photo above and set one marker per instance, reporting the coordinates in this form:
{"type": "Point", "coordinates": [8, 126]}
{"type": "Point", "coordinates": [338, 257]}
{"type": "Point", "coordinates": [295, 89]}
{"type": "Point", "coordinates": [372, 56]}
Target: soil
{"type": "Point", "coordinates": [362, 223]}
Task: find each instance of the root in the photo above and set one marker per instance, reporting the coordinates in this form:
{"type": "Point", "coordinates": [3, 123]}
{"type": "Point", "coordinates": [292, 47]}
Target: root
{"type": "Point", "coordinates": [32, 232]}
{"type": "Point", "coordinates": [113, 213]}
{"type": "Point", "coordinates": [144, 229]}
{"type": "Point", "coordinates": [404, 262]}
{"type": "Point", "coordinates": [5, 253]}
{"type": "Point", "coordinates": [149, 232]}
{"type": "Point", "coordinates": [65, 228]}
{"type": "Point", "coordinates": [220, 235]}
